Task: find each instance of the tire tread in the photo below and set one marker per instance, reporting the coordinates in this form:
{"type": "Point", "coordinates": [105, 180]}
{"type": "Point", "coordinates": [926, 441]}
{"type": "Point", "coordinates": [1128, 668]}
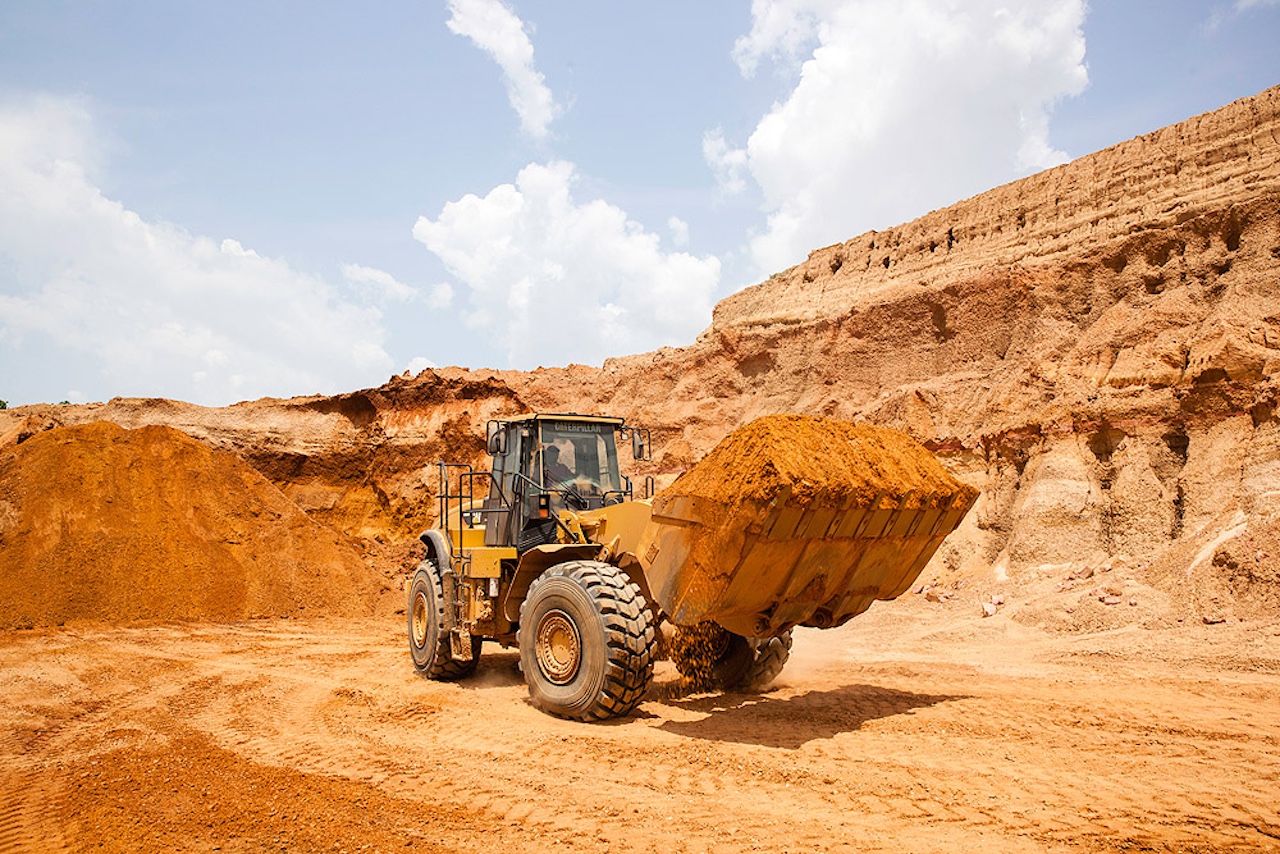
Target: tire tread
{"type": "Point", "coordinates": [440, 664]}
{"type": "Point", "coordinates": [629, 635]}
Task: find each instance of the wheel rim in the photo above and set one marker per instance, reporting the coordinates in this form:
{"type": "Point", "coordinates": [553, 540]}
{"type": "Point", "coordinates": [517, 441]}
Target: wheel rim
{"type": "Point", "coordinates": [558, 647]}
{"type": "Point", "coordinates": [420, 620]}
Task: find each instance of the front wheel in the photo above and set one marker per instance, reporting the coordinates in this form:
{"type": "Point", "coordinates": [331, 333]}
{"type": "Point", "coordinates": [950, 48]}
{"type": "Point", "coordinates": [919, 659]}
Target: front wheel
{"type": "Point", "coordinates": [713, 657]}
{"type": "Point", "coordinates": [428, 642]}
{"type": "Point", "coordinates": [586, 641]}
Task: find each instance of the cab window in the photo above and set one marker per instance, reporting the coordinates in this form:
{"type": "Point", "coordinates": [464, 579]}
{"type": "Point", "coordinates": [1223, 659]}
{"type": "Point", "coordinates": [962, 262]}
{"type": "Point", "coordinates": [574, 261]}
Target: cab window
{"type": "Point", "coordinates": [583, 455]}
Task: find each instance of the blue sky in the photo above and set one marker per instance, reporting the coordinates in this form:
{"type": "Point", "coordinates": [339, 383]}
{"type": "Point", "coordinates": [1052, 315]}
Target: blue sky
{"type": "Point", "coordinates": [215, 202]}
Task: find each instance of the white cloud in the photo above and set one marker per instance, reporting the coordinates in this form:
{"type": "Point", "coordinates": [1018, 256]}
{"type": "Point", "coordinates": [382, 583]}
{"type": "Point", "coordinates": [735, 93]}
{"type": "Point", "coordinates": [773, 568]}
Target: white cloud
{"type": "Point", "coordinates": [418, 364]}
{"type": "Point", "coordinates": [779, 30]}
{"type": "Point", "coordinates": [899, 108]}
{"type": "Point", "coordinates": [378, 284]}
{"type": "Point", "coordinates": [143, 308]}
{"type": "Point", "coordinates": [558, 281]}
{"type": "Point", "coordinates": [679, 231]}
{"type": "Point", "coordinates": [727, 162]}
{"type": "Point", "coordinates": [441, 295]}
{"type": "Point", "coordinates": [495, 29]}
{"type": "Point", "coordinates": [1221, 15]}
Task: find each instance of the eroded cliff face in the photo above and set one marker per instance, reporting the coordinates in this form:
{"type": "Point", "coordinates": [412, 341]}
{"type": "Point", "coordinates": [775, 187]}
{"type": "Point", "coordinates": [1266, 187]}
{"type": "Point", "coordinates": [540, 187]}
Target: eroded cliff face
{"type": "Point", "coordinates": [1096, 347]}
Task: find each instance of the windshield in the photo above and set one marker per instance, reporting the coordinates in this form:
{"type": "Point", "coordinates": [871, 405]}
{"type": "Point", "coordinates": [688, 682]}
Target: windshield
{"type": "Point", "coordinates": [584, 456]}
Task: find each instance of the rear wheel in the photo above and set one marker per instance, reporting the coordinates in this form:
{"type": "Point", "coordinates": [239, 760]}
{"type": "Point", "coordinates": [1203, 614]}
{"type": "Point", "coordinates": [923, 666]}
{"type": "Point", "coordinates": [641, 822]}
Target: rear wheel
{"type": "Point", "coordinates": [586, 641]}
{"type": "Point", "coordinates": [712, 657]}
{"type": "Point", "coordinates": [428, 642]}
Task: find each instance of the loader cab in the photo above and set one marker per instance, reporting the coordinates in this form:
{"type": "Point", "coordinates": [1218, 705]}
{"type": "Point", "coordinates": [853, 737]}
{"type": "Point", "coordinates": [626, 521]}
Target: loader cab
{"type": "Point", "coordinates": [545, 464]}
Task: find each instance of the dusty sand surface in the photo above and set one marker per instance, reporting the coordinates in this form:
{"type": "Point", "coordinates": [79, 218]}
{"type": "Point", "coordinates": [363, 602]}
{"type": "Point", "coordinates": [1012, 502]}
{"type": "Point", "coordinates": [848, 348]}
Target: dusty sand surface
{"type": "Point", "coordinates": [917, 727]}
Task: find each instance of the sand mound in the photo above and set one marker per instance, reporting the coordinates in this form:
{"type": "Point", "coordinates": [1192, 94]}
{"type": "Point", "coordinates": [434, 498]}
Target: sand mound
{"type": "Point", "coordinates": [102, 523]}
{"type": "Point", "coordinates": [822, 462]}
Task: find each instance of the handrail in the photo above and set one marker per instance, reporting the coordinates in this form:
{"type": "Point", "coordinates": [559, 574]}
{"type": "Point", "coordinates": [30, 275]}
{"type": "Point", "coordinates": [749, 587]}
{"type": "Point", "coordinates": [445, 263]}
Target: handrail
{"type": "Point", "coordinates": [465, 497]}
{"type": "Point", "coordinates": [452, 502]}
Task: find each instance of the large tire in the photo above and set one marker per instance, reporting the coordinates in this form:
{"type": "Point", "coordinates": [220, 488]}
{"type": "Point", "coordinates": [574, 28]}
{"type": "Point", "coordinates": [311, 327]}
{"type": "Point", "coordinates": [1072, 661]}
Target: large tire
{"type": "Point", "coordinates": [428, 643]}
{"type": "Point", "coordinates": [714, 658]}
{"type": "Point", "coordinates": [768, 657]}
{"type": "Point", "coordinates": [586, 641]}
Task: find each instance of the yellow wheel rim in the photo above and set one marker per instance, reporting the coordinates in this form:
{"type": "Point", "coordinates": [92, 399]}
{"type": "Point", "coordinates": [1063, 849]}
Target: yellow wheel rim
{"type": "Point", "coordinates": [420, 620]}
{"type": "Point", "coordinates": [558, 647]}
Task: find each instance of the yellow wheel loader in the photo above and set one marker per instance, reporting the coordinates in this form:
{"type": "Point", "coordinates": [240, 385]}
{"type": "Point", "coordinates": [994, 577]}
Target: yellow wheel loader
{"type": "Point", "coordinates": [790, 521]}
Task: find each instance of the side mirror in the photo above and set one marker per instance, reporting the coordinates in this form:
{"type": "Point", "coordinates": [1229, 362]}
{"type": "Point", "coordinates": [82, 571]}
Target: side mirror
{"type": "Point", "coordinates": [496, 442]}
{"type": "Point", "coordinates": [640, 444]}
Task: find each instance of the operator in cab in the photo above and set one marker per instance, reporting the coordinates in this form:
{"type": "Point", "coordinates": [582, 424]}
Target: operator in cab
{"type": "Point", "coordinates": [554, 472]}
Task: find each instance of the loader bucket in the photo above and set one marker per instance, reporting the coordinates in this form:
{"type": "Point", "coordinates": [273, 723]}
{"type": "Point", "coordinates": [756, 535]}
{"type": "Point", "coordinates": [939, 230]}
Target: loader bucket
{"type": "Point", "coordinates": [793, 520]}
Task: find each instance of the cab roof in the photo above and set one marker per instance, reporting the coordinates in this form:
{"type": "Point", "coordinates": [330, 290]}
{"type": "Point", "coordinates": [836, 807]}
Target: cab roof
{"type": "Point", "coordinates": [565, 416]}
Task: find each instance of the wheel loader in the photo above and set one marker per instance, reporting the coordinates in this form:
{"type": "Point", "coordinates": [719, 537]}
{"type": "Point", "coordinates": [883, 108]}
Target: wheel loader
{"type": "Point", "coordinates": [803, 521]}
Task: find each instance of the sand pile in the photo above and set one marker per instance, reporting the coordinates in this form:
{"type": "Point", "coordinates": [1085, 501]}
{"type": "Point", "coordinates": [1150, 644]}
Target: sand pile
{"type": "Point", "coordinates": [824, 462]}
{"type": "Point", "coordinates": [102, 523]}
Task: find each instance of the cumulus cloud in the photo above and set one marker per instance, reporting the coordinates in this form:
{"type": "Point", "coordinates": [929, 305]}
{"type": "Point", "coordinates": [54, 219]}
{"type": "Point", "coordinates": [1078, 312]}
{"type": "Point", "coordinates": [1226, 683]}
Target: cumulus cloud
{"type": "Point", "coordinates": [559, 281]}
{"type": "Point", "coordinates": [382, 287]}
{"type": "Point", "coordinates": [134, 307]}
{"type": "Point", "coordinates": [440, 295]}
{"type": "Point", "coordinates": [378, 284]}
{"type": "Point", "coordinates": [898, 108]}
{"type": "Point", "coordinates": [1221, 15]}
{"type": "Point", "coordinates": [679, 231]}
{"type": "Point", "coordinates": [728, 163]}
{"type": "Point", "coordinates": [782, 31]}
{"type": "Point", "coordinates": [495, 29]}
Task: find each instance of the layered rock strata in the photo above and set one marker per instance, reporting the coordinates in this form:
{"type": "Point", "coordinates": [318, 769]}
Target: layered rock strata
{"type": "Point", "coordinates": [1096, 347]}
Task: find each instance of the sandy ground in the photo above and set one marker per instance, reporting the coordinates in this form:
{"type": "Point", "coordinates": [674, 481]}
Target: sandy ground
{"type": "Point", "coordinates": [917, 727]}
